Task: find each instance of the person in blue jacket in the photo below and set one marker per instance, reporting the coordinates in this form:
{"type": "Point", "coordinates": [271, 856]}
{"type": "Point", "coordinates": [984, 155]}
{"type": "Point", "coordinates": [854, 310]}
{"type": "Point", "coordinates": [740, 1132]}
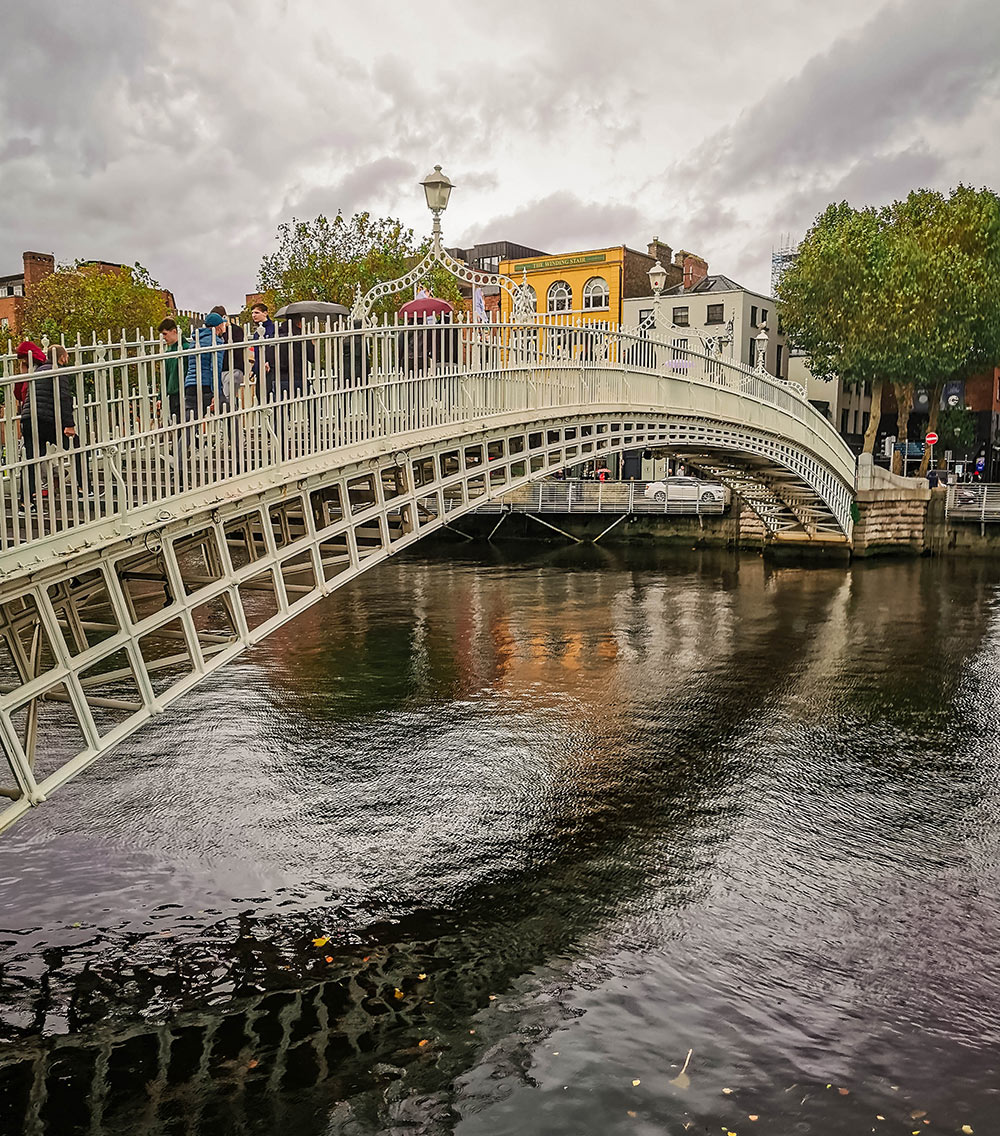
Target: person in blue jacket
{"type": "Point", "coordinates": [204, 371]}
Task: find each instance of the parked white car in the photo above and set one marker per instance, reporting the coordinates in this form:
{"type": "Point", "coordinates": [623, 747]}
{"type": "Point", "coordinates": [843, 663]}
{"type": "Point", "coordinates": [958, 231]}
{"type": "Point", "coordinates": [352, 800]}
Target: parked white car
{"type": "Point", "coordinates": [684, 488]}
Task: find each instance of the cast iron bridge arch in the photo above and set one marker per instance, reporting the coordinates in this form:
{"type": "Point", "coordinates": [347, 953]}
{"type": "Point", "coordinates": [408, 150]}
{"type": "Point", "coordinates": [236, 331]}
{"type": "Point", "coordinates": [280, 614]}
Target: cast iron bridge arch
{"type": "Point", "coordinates": [163, 549]}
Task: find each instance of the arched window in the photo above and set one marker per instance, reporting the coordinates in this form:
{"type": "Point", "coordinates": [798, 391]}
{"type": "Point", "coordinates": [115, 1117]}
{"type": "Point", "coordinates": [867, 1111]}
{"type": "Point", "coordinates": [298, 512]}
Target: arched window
{"type": "Point", "coordinates": [596, 293]}
{"type": "Point", "coordinates": [560, 298]}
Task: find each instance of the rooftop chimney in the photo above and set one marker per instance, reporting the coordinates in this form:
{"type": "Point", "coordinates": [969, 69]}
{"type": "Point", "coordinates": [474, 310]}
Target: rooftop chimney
{"type": "Point", "coordinates": [37, 265]}
{"type": "Point", "coordinates": [693, 267]}
{"type": "Point", "coordinates": [659, 251]}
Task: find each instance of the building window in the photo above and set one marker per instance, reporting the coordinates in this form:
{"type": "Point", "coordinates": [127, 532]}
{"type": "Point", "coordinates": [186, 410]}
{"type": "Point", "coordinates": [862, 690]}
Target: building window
{"type": "Point", "coordinates": [763, 315]}
{"type": "Point", "coordinates": [645, 320]}
{"type": "Point", "coordinates": [595, 293]}
{"type": "Point", "coordinates": [779, 351]}
{"type": "Point", "coordinates": [752, 357]}
{"type": "Point", "coordinates": [681, 317]}
{"type": "Point", "coordinates": [715, 314]}
{"type": "Point", "coordinates": [753, 315]}
{"type": "Point", "coordinates": [865, 419]}
{"type": "Point", "coordinates": [843, 421]}
{"type": "Point", "coordinates": [560, 297]}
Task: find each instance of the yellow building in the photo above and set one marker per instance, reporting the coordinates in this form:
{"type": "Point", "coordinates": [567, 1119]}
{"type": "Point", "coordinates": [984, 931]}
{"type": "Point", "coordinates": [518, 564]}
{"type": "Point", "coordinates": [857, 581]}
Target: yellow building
{"type": "Point", "coordinates": [591, 285]}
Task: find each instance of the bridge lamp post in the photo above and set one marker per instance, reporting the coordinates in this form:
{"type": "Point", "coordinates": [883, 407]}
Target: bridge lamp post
{"type": "Point", "coordinates": [657, 278]}
{"type": "Point", "coordinates": [437, 190]}
{"type": "Point", "coordinates": [761, 341]}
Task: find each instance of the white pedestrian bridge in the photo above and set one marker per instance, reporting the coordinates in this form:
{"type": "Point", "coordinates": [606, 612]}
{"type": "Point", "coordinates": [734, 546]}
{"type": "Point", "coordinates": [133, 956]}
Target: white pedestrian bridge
{"type": "Point", "coordinates": [159, 550]}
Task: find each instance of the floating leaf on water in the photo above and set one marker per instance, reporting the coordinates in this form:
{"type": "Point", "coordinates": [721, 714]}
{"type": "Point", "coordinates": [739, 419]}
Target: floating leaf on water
{"type": "Point", "coordinates": [636, 1082]}
{"type": "Point", "coordinates": [880, 1118]}
{"type": "Point", "coordinates": [421, 977]}
{"type": "Point", "coordinates": [423, 1041]}
{"type": "Point", "coordinates": [753, 1116]}
{"type": "Point", "coordinates": [727, 1091]}
{"type": "Point", "coordinates": [329, 958]}
{"type": "Point", "coordinates": [321, 941]}
{"type": "Point", "coordinates": [918, 1113]}
{"type": "Point", "coordinates": [967, 1129]}
{"type": "Point", "coordinates": [632, 1114]}
{"type": "Point", "coordinates": [493, 997]}
{"type": "Point", "coordinates": [682, 1080]}
{"type": "Point", "coordinates": [397, 993]}
{"type": "Point", "coordinates": [844, 1092]}
{"type": "Point", "coordinates": [253, 1063]}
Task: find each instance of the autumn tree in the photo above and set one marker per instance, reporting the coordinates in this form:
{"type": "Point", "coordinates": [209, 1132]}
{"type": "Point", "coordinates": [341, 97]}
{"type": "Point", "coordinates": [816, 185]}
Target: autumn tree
{"type": "Point", "coordinates": [326, 259]}
{"type": "Point", "coordinates": [84, 299]}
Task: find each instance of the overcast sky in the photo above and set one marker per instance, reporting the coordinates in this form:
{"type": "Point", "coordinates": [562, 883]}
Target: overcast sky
{"type": "Point", "coordinates": [181, 133]}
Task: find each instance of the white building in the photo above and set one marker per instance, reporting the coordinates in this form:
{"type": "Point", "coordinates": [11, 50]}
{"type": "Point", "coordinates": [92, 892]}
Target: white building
{"type": "Point", "coordinates": [717, 306]}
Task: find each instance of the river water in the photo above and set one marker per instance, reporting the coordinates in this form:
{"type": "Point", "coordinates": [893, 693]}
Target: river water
{"type": "Point", "coordinates": [490, 840]}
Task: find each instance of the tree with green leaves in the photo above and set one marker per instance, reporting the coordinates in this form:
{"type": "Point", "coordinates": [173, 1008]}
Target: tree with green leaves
{"type": "Point", "coordinates": [957, 238]}
{"type": "Point", "coordinates": [326, 259]}
{"type": "Point", "coordinates": [956, 428]}
{"type": "Point", "coordinates": [86, 299]}
{"type": "Point", "coordinates": [907, 294]}
{"type": "Point", "coordinates": [834, 303]}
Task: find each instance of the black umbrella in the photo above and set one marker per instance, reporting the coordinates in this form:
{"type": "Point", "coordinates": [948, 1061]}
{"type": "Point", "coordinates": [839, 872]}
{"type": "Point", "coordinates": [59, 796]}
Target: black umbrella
{"type": "Point", "coordinates": [311, 309]}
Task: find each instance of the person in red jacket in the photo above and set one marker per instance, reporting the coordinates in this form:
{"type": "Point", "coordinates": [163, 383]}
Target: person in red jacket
{"type": "Point", "coordinates": [46, 406]}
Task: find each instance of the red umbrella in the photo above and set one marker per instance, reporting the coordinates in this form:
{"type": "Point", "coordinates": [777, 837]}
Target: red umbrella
{"type": "Point", "coordinates": [424, 306]}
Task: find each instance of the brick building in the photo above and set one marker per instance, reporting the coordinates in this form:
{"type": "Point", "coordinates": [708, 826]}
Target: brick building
{"type": "Point", "coordinates": [16, 288]}
{"type": "Point", "coordinates": [35, 266]}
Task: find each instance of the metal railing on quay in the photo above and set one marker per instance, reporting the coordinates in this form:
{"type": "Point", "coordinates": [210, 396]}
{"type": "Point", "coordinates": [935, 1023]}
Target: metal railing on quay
{"type": "Point", "coordinates": [973, 501]}
{"type": "Point", "coordinates": [104, 432]}
{"type": "Point", "coordinates": [614, 497]}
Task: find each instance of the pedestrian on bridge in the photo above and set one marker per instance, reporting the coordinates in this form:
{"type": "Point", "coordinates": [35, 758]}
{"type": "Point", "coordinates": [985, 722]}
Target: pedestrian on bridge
{"type": "Point", "coordinates": [288, 377]}
{"type": "Point", "coordinates": [46, 408]}
{"type": "Point", "coordinates": [235, 365]}
{"type": "Point", "coordinates": [204, 371]}
{"type": "Point", "coordinates": [263, 356]}
{"type": "Point", "coordinates": [171, 336]}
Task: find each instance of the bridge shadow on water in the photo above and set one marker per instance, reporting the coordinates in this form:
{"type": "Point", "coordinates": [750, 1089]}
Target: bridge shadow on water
{"type": "Point", "coordinates": [396, 1024]}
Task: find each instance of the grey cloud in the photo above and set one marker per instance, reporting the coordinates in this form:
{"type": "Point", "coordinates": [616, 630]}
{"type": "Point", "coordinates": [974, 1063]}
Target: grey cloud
{"type": "Point", "coordinates": [182, 139]}
{"type": "Point", "coordinates": [910, 63]}
{"type": "Point", "coordinates": [353, 192]}
{"type": "Point", "coordinates": [563, 221]}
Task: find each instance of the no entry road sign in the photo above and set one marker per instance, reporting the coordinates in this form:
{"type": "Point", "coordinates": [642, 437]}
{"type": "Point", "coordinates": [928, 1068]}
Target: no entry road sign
{"type": "Point", "coordinates": [931, 438]}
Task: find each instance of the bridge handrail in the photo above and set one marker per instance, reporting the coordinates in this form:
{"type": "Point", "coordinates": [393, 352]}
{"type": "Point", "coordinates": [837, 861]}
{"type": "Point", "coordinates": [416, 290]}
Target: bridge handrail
{"type": "Point", "coordinates": [362, 384]}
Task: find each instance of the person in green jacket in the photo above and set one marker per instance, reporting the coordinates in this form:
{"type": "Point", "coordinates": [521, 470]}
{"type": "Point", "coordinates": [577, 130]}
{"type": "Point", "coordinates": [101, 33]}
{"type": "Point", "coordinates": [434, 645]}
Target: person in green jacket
{"type": "Point", "coordinates": [171, 336]}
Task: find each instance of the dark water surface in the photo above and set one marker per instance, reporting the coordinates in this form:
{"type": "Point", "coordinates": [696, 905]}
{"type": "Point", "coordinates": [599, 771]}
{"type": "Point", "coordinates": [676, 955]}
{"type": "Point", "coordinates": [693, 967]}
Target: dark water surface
{"type": "Point", "coordinates": [487, 842]}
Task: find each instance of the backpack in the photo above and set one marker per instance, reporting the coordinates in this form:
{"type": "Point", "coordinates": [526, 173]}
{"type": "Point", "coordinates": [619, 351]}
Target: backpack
{"type": "Point", "coordinates": [21, 391]}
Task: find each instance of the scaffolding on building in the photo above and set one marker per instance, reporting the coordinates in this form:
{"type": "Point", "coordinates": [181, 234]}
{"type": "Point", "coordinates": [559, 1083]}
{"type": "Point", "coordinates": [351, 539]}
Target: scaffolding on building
{"type": "Point", "coordinates": [782, 258]}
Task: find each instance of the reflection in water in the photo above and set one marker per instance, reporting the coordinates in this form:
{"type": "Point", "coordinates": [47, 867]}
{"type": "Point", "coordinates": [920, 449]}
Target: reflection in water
{"type": "Point", "coordinates": [479, 842]}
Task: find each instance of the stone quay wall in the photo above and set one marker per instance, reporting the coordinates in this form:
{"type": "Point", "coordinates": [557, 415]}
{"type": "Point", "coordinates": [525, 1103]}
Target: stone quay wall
{"type": "Point", "coordinates": [895, 516]}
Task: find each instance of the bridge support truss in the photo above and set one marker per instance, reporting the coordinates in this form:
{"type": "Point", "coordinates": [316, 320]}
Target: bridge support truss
{"type": "Point", "coordinates": [103, 639]}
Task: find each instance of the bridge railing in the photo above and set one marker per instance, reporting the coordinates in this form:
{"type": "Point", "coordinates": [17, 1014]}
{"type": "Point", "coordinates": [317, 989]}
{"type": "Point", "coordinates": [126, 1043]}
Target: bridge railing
{"type": "Point", "coordinates": [102, 435]}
